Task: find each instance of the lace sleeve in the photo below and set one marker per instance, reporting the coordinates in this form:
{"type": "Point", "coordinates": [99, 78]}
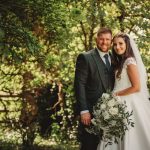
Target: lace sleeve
{"type": "Point", "coordinates": [130, 60]}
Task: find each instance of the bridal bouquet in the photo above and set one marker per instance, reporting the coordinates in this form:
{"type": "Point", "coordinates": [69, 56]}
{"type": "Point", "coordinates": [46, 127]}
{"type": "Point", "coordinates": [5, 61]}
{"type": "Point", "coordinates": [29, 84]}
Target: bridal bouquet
{"type": "Point", "coordinates": [111, 117]}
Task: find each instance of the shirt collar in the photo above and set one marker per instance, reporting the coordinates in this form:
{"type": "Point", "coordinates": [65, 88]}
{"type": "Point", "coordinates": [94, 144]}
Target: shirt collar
{"type": "Point", "coordinates": [102, 53]}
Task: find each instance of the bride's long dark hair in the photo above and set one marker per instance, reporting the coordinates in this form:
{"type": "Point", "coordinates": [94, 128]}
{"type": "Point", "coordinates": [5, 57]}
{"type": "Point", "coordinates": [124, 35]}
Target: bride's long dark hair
{"type": "Point", "coordinates": [120, 59]}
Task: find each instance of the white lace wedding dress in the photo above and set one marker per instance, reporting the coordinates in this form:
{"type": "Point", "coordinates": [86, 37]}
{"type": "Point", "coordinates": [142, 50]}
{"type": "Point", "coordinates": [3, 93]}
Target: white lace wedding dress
{"type": "Point", "coordinates": [137, 138]}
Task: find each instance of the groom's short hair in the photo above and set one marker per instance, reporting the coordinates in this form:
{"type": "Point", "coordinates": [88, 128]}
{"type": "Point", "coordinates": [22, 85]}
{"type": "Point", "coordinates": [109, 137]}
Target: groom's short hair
{"type": "Point", "coordinates": [104, 30]}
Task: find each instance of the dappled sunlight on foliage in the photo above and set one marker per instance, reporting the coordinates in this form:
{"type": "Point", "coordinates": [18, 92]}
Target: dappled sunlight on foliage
{"type": "Point", "coordinates": [39, 44]}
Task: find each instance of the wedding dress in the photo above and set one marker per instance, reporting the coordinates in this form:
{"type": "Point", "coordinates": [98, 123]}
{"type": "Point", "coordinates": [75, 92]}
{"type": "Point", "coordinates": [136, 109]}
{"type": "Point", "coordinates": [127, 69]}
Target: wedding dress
{"type": "Point", "coordinates": [137, 137]}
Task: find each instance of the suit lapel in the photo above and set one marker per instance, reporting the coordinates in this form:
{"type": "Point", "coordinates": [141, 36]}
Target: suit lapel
{"type": "Point", "coordinates": [100, 65]}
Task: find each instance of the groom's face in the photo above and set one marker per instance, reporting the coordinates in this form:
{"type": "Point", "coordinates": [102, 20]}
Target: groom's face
{"type": "Point", "coordinates": [103, 41]}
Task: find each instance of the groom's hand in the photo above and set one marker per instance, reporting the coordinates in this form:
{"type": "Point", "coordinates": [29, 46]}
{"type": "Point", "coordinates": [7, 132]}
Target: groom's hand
{"type": "Point", "coordinates": [86, 118]}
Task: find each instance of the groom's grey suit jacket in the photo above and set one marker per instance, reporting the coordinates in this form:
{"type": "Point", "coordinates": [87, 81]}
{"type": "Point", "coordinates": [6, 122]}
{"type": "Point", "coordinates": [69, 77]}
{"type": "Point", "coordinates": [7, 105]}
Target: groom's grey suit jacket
{"type": "Point", "coordinates": [92, 79]}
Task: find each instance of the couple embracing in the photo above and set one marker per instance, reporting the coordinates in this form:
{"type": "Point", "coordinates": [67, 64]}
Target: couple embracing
{"type": "Point", "coordinates": [121, 71]}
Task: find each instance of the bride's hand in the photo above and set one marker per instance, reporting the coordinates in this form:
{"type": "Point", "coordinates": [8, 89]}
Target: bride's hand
{"type": "Point", "coordinates": [115, 93]}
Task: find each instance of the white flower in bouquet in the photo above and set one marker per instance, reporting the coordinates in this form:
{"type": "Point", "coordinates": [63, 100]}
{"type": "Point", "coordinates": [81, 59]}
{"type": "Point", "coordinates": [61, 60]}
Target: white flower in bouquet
{"type": "Point", "coordinates": [119, 100]}
{"type": "Point", "coordinates": [105, 95]}
{"type": "Point", "coordinates": [113, 122]}
{"type": "Point", "coordinates": [125, 121]}
{"type": "Point", "coordinates": [93, 121]}
{"type": "Point", "coordinates": [98, 112]}
{"type": "Point", "coordinates": [113, 111]}
{"type": "Point", "coordinates": [112, 117]}
{"type": "Point", "coordinates": [106, 115]}
{"type": "Point", "coordinates": [103, 106]}
{"type": "Point", "coordinates": [111, 103]}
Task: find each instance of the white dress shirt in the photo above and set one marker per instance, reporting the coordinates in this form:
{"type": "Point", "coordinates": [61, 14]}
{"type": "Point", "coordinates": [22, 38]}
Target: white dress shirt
{"type": "Point", "coordinates": [102, 55]}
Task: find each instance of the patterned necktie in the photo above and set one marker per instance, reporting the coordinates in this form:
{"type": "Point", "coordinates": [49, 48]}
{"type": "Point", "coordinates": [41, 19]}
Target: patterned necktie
{"type": "Point", "coordinates": [107, 61]}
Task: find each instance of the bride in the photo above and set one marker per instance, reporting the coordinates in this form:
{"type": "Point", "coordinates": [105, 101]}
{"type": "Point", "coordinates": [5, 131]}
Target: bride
{"type": "Point", "coordinates": [130, 85]}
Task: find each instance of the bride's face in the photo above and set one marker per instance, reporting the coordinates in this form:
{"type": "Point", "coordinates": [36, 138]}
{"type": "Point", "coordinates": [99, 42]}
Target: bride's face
{"type": "Point", "coordinates": [119, 45]}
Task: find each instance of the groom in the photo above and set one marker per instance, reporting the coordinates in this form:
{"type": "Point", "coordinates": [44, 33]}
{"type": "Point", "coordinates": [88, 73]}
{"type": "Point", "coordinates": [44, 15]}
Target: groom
{"type": "Point", "coordinates": [93, 76]}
